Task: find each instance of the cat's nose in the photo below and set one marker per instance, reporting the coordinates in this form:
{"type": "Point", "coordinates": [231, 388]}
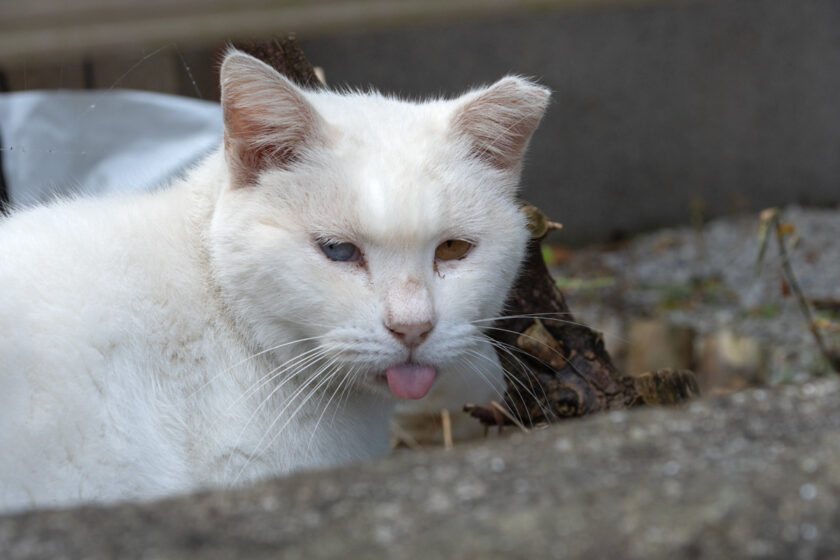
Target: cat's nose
{"type": "Point", "coordinates": [410, 334]}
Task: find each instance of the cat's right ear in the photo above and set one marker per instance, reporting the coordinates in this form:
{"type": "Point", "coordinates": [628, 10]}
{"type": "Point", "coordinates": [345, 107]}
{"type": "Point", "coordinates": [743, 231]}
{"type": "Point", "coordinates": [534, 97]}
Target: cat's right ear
{"type": "Point", "coordinates": [268, 121]}
{"type": "Point", "coordinates": [499, 120]}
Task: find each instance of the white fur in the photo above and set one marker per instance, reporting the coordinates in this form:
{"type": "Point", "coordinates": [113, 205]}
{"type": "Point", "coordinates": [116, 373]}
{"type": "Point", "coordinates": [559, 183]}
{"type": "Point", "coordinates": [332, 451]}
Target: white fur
{"type": "Point", "coordinates": [137, 332]}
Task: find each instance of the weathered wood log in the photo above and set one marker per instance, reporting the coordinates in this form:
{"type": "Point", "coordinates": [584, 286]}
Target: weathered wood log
{"type": "Point", "coordinates": [286, 56]}
{"type": "Point", "coordinates": [557, 368]}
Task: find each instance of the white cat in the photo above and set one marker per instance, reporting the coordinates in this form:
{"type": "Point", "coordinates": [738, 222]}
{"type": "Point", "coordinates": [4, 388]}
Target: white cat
{"type": "Point", "coordinates": [260, 315]}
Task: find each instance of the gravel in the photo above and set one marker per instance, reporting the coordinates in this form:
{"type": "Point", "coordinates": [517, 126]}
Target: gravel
{"type": "Point", "coordinates": [707, 279]}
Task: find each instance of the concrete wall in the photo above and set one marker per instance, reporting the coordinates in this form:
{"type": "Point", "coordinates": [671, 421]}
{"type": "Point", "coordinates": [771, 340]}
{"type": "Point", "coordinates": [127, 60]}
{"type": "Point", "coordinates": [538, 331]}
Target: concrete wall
{"type": "Point", "coordinates": [735, 103]}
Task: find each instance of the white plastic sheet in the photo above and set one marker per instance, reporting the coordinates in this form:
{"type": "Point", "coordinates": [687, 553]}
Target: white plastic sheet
{"type": "Point", "coordinates": [65, 142]}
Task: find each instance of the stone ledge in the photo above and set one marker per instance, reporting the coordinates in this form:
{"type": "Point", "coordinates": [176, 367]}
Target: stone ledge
{"type": "Point", "coordinates": [753, 474]}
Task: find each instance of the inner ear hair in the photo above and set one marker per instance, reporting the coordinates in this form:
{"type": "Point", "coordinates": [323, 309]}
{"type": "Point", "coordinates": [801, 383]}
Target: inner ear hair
{"type": "Point", "coordinates": [500, 120]}
{"type": "Point", "coordinates": [268, 120]}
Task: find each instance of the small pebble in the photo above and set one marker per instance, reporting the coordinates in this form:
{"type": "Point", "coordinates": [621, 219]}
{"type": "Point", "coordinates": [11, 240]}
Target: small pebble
{"type": "Point", "coordinates": [809, 532]}
{"type": "Point", "coordinates": [563, 444]}
{"type": "Point", "coordinates": [808, 492]}
{"type": "Point", "coordinates": [672, 468]}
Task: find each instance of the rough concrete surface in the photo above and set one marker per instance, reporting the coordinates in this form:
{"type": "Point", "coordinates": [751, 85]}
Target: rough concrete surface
{"type": "Point", "coordinates": [751, 475]}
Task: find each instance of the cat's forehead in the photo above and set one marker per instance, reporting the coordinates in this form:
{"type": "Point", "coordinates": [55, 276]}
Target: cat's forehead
{"type": "Point", "coordinates": [391, 208]}
{"type": "Point", "coordinates": [394, 156]}
{"type": "Point", "coordinates": [412, 200]}
{"type": "Point", "coordinates": [369, 119]}
{"type": "Point", "coordinates": [396, 172]}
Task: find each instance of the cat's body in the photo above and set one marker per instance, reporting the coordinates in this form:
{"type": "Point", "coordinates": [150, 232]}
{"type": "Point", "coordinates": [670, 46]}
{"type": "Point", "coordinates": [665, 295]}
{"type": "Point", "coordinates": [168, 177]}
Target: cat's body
{"type": "Point", "coordinates": [147, 403]}
{"type": "Point", "coordinates": [223, 329]}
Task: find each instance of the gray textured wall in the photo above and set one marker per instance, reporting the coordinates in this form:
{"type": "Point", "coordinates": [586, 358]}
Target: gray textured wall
{"type": "Point", "coordinates": [733, 101]}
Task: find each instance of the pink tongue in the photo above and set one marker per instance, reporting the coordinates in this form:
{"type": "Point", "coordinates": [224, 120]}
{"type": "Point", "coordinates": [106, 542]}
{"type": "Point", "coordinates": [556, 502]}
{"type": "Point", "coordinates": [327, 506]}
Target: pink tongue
{"type": "Point", "coordinates": [410, 381]}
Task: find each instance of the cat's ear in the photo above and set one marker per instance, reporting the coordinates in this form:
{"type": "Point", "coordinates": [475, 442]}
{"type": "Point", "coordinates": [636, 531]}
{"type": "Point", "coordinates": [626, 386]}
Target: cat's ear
{"type": "Point", "coordinates": [499, 120]}
{"type": "Point", "coordinates": [268, 120]}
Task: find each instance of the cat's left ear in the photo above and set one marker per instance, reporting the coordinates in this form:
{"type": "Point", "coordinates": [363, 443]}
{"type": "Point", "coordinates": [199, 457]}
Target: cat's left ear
{"type": "Point", "coordinates": [268, 120]}
{"type": "Point", "coordinates": [499, 120]}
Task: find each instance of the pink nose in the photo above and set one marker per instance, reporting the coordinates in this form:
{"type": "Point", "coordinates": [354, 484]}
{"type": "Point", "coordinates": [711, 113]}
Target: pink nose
{"type": "Point", "coordinates": [411, 334]}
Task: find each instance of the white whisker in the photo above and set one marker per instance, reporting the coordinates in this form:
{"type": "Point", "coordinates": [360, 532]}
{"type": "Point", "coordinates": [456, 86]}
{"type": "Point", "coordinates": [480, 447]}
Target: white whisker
{"type": "Point", "coordinates": [509, 349]}
{"type": "Point", "coordinates": [310, 361]}
{"type": "Point", "coordinates": [515, 380]}
{"type": "Point", "coordinates": [477, 370]}
{"type": "Point", "coordinates": [326, 407]}
{"type": "Point", "coordinates": [548, 317]}
{"type": "Point", "coordinates": [249, 358]}
{"type": "Point", "coordinates": [541, 343]}
{"type": "Point", "coordinates": [259, 448]}
{"type": "Point", "coordinates": [506, 375]}
{"type": "Point", "coordinates": [300, 362]}
{"type": "Point", "coordinates": [346, 393]}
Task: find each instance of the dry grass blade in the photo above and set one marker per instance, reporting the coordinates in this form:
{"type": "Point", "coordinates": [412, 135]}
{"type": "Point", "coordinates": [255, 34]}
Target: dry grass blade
{"type": "Point", "coordinates": [765, 218]}
{"type": "Point", "coordinates": [401, 436]}
{"type": "Point", "coordinates": [771, 221]}
{"type": "Point", "coordinates": [446, 424]}
{"type": "Point", "coordinates": [501, 408]}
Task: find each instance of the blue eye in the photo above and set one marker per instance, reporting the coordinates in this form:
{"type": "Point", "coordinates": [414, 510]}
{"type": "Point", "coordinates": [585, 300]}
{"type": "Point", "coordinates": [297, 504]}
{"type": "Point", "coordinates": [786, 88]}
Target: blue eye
{"type": "Point", "coordinates": [344, 252]}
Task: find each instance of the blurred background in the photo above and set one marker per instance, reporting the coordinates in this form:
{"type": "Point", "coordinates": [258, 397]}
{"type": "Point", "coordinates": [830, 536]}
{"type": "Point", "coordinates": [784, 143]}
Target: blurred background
{"type": "Point", "coordinates": [680, 114]}
{"type": "Point", "coordinates": [663, 109]}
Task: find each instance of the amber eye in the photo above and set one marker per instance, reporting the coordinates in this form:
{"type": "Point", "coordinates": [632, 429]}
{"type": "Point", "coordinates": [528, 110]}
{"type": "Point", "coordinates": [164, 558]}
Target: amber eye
{"type": "Point", "coordinates": [452, 249]}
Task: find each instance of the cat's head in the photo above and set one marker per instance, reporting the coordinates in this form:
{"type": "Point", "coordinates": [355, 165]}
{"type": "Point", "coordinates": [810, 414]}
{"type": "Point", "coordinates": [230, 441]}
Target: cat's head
{"type": "Point", "coordinates": [382, 230]}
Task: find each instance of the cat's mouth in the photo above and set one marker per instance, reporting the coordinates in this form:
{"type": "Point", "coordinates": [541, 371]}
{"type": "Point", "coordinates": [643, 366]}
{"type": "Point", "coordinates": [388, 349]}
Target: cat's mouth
{"type": "Point", "coordinates": [409, 380]}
